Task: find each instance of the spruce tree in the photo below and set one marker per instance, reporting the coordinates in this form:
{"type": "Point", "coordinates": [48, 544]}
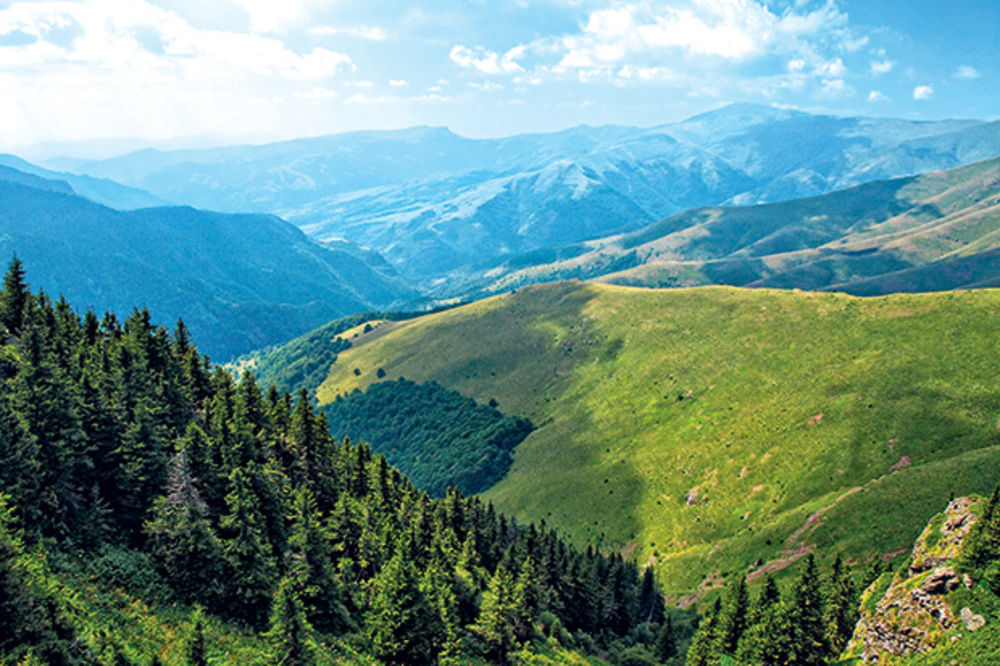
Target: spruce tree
{"type": "Point", "coordinates": [704, 649]}
{"type": "Point", "coordinates": [665, 647]}
{"type": "Point", "coordinates": [765, 640]}
{"type": "Point", "coordinates": [400, 624]}
{"type": "Point", "coordinates": [494, 625]}
{"type": "Point", "coordinates": [290, 634]}
{"type": "Point", "coordinates": [733, 622]}
{"type": "Point", "coordinates": [13, 298]}
{"type": "Point", "coordinates": [807, 630]}
{"type": "Point", "coordinates": [841, 607]}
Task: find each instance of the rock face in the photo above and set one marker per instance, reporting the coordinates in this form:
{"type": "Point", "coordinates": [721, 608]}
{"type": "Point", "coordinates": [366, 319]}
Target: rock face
{"type": "Point", "coordinates": [911, 615]}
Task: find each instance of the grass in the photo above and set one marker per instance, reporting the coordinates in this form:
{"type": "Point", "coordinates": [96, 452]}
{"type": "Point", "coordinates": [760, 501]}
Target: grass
{"type": "Point", "coordinates": [703, 428]}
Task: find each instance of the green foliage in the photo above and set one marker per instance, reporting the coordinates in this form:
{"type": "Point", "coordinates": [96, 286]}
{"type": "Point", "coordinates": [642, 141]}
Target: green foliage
{"type": "Point", "coordinates": [796, 401]}
{"type": "Point", "coordinates": [163, 485]}
{"type": "Point", "coordinates": [437, 437]}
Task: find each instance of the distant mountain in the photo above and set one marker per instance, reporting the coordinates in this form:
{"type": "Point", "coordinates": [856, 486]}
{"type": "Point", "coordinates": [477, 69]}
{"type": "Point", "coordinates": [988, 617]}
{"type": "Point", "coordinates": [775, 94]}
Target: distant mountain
{"type": "Point", "coordinates": [932, 232]}
{"type": "Point", "coordinates": [239, 281]}
{"type": "Point", "coordinates": [440, 207]}
{"type": "Point", "coordinates": [100, 190]}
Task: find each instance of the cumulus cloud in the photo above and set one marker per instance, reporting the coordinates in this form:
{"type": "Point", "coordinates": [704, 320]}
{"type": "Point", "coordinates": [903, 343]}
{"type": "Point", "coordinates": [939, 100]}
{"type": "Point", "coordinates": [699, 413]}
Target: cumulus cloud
{"type": "Point", "coordinates": [487, 62]}
{"type": "Point", "coordinates": [397, 83]}
{"type": "Point", "coordinates": [877, 96]}
{"type": "Point", "coordinates": [880, 67]}
{"type": "Point", "coordinates": [966, 72]}
{"type": "Point", "coordinates": [130, 66]}
{"type": "Point", "coordinates": [923, 92]}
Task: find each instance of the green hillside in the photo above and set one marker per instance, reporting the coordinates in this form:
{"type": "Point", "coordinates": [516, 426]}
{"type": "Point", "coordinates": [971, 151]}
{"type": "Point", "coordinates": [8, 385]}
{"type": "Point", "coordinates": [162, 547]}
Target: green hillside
{"type": "Point", "coordinates": [717, 430]}
{"type": "Point", "coordinates": [924, 233]}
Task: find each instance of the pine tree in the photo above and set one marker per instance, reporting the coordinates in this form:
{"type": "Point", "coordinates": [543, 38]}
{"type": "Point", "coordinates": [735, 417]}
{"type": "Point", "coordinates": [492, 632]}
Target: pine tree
{"type": "Point", "coordinates": [841, 607]}
{"type": "Point", "coordinates": [704, 649]}
{"type": "Point", "coordinates": [733, 622]}
{"type": "Point", "coordinates": [290, 634]}
{"type": "Point", "coordinates": [809, 645]}
{"type": "Point", "coordinates": [13, 298]}
{"type": "Point", "coordinates": [312, 570]}
{"type": "Point", "coordinates": [400, 624]}
{"type": "Point", "coordinates": [650, 600]}
{"type": "Point", "coordinates": [665, 648]}
{"type": "Point", "coordinates": [249, 555]}
{"type": "Point", "coordinates": [494, 625]}
{"type": "Point", "coordinates": [765, 640]}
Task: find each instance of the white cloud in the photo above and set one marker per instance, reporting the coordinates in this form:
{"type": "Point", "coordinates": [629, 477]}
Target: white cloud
{"type": "Point", "coordinates": [269, 16]}
{"type": "Point", "coordinates": [833, 68]}
{"type": "Point", "coordinates": [133, 68]}
{"type": "Point", "coordinates": [487, 62]}
{"type": "Point", "coordinates": [923, 92]}
{"type": "Point", "coordinates": [796, 65]}
{"type": "Point", "coordinates": [966, 72]}
{"type": "Point", "coordinates": [877, 96]}
{"type": "Point", "coordinates": [372, 33]}
{"type": "Point", "coordinates": [880, 67]}
{"type": "Point", "coordinates": [835, 89]}
{"type": "Point", "coordinates": [397, 83]}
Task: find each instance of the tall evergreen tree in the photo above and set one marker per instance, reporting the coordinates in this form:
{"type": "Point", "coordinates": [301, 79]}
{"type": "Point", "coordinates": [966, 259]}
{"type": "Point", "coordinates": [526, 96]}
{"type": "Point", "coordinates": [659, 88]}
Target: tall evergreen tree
{"type": "Point", "coordinates": [13, 298]}
{"type": "Point", "coordinates": [733, 622]}
{"type": "Point", "coordinates": [841, 607]}
{"type": "Point", "coordinates": [400, 623]}
{"type": "Point", "coordinates": [290, 634]}
{"type": "Point", "coordinates": [704, 649]}
{"type": "Point", "coordinates": [808, 640]}
{"type": "Point", "coordinates": [665, 648]}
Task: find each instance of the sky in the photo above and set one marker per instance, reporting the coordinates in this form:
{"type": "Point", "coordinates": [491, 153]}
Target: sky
{"type": "Point", "coordinates": [221, 71]}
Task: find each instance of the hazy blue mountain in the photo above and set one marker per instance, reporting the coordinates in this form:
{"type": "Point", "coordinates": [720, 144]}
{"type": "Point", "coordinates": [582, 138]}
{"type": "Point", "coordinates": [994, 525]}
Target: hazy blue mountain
{"type": "Point", "coordinates": [440, 207]}
{"type": "Point", "coordinates": [101, 190]}
{"type": "Point", "coordinates": [239, 281]}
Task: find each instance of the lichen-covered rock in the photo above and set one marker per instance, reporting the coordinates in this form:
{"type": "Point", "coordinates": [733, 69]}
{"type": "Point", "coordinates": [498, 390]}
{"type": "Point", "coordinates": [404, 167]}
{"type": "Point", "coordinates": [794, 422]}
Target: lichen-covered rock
{"type": "Point", "coordinates": [912, 614]}
{"type": "Point", "coordinates": [972, 621]}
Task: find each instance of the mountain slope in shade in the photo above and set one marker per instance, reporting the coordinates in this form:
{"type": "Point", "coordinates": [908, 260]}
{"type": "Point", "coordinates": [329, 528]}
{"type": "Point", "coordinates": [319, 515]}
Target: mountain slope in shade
{"type": "Point", "coordinates": [718, 430]}
{"type": "Point", "coordinates": [100, 190]}
{"type": "Point", "coordinates": [925, 233]}
{"type": "Point", "coordinates": [239, 281]}
{"type": "Point", "coordinates": [441, 207]}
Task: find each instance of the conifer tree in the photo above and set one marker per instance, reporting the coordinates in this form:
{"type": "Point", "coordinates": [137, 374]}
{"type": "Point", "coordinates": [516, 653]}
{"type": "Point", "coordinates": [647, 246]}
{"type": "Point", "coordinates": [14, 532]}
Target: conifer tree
{"type": "Point", "coordinates": [13, 298]}
{"type": "Point", "coordinates": [494, 625]}
{"type": "Point", "coordinates": [290, 634]}
{"type": "Point", "coordinates": [982, 545]}
{"type": "Point", "coordinates": [400, 624]}
{"type": "Point", "coordinates": [704, 649]}
{"type": "Point", "coordinates": [733, 622]}
{"type": "Point", "coordinates": [765, 640]}
{"type": "Point", "coordinates": [807, 630]}
{"type": "Point", "coordinates": [665, 648]}
{"type": "Point", "coordinates": [841, 607]}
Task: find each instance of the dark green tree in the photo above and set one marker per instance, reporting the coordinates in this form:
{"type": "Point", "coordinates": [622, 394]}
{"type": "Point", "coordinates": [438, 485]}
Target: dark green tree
{"type": "Point", "coordinates": [13, 298]}
{"type": "Point", "coordinates": [665, 648]}
{"type": "Point", "coordinates": [841, 607]}
{"type": "Point", "coordinates": [400, 623]}
{"type": "Point", "coordinates": [733, 622]}
{"type": "Point", "coordinates": [290, 634]}
{"type": "Point", "coordinates": [807, 629]}
{"type": "Point", "coordinates": [704, 649]}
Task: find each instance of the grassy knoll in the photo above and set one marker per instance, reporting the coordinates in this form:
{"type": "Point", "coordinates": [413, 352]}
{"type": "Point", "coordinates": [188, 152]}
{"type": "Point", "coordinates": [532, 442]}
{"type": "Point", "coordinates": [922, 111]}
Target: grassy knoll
{"type": "Point", "coordinates": [717, 429]}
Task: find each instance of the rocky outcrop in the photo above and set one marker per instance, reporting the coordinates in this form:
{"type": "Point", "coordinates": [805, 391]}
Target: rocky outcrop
{"type": "Point", "coordinates": [911, 613]}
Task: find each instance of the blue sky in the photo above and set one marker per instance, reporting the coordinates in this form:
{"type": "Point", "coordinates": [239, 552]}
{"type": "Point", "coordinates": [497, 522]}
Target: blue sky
{"type": "Point", "coordinates": [266, 69]}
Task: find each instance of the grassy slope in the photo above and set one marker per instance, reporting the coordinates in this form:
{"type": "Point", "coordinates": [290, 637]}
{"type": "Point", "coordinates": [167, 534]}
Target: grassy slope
{"type": "Point", "coordinates": [790, 401]}
{"type": "Point", "coordinates": [835, 240]}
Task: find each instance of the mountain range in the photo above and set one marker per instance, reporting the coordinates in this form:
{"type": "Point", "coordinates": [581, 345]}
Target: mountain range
{"type": "Point", "coordinates": [440, 207]}
{"type": "Point", "coordinates": [931, 232]}
{"type": "Point", "coordinates": [239, 281]}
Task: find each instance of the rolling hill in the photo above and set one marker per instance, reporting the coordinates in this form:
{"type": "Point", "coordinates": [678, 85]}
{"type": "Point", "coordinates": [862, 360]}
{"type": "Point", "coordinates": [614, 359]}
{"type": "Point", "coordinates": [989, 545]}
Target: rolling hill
{"type": "Point", "coordinates": [441, 207]}
{"type": "Point", "coordinates": [920, 233]}
{"type": "Point", "coordinates": [239, 281]}
{"type": "Point", "coordinates": [717, 430]}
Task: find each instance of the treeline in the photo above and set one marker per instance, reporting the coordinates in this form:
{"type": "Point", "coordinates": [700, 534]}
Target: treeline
{"type": "Point", "coordinates": [119, 437]}
{"type": "Point", "coordinates": [809, 626]}
{"type": "Point", "coordinates": [439, 438]}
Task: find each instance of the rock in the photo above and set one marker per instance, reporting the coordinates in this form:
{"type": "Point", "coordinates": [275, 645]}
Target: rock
{"type": "Point", "coordinates": [972, 620]}
{"type": "Point", "coordinates": [940, 581]}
